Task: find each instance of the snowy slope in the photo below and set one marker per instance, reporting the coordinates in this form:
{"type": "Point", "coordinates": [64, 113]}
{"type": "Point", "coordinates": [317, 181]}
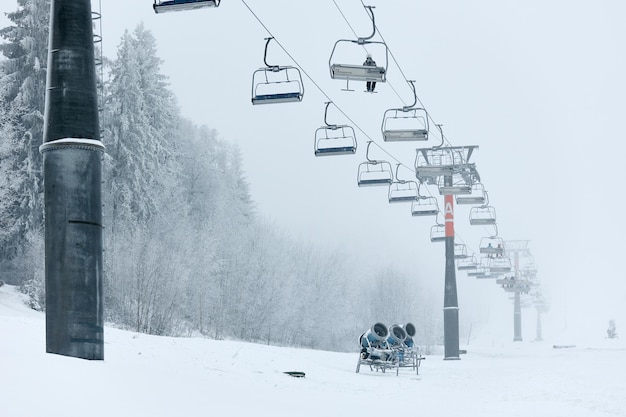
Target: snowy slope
{"type": "Point", "coordinates": [160, 376]}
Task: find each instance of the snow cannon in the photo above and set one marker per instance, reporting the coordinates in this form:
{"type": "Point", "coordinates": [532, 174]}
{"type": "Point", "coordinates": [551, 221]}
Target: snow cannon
{"type": "Point", "coordinates": [376, 334]}
{"type": "Point", "coordinates": [397, 335]}
{"type": "Point", "coordinates": [409, 328]}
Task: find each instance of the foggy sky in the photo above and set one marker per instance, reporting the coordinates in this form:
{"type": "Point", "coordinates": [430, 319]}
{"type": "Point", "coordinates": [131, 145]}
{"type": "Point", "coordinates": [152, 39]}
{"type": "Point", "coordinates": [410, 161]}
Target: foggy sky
{"type": "Point", "coordinates": [538, 86]}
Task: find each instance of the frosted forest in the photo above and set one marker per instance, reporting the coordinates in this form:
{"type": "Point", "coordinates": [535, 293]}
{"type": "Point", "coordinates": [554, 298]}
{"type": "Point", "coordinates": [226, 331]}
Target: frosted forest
{"type": "Point", "coordinates": [185, 250]}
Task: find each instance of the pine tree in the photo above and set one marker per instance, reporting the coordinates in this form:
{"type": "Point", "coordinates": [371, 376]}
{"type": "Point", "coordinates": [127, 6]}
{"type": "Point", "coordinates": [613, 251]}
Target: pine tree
{"type": "Point", "coordinates": [22, 96]}
{"type": "Point", "coordinates": [142, 118]}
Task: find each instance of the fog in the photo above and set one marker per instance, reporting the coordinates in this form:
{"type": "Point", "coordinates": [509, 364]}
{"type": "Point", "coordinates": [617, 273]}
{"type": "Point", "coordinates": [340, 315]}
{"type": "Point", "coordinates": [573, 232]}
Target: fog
{"type": "Point", "coordinates": [537, 86]}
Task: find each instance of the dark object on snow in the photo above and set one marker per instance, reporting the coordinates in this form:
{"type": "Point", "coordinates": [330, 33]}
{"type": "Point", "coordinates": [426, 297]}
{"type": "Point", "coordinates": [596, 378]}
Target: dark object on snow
{"type": "Point", "coordinates": [462, 352]}
{"type": "Point", "coordinates": [563, 346]}
{"type": "Point", "coordinates": [295, 374]}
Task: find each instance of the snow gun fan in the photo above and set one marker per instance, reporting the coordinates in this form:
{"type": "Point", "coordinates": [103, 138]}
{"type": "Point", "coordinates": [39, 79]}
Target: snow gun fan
{"type": "Point", "coordinates": [397, 335]}
{"type": "Point", "coordinates": [375, 335]}
{"type": "Point", "coordinates": [409, 328]}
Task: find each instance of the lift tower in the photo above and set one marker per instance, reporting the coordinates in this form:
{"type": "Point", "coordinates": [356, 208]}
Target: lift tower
{"type": "Point", "coordinates": [517, 248]}
{"type": "Point", "coordinates": [448, 168]}
{"type": "Point", "coordinates": [72, 186]}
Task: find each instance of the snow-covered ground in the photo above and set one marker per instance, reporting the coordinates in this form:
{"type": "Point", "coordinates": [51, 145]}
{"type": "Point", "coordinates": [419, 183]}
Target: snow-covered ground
{"type": "Point", "coordinates": [161, 376]}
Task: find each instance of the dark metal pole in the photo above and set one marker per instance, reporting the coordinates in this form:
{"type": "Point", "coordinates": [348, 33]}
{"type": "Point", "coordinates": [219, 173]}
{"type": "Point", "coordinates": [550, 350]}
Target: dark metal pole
{"type": "Point", "coordinates": [517, 308]}
{"type": "Point", "coordinates": [450, 301]}
{"type": "Point", "coordinates": [72, 187]}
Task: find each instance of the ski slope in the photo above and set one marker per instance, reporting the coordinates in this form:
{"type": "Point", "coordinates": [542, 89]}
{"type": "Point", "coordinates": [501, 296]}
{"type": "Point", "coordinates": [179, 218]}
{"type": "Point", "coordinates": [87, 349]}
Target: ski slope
{"type": "Point", "coordinates": [153, 376]}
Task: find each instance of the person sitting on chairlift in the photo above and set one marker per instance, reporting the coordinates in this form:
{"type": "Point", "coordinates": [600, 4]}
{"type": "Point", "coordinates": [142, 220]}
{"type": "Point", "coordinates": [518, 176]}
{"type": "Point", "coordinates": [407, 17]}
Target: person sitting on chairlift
{"type": "Point", "coordinates": [369, 62]}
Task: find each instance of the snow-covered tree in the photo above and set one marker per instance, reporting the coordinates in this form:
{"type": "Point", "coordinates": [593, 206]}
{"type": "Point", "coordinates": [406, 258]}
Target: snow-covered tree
{"type": "Point", "coordinates": [141, 118]}
{"type": "Point", "coordinates": [22, 96]}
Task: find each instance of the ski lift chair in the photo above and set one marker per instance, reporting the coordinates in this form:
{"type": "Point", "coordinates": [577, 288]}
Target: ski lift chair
{"type": "Point", "coordinates": [373, 172]}
{"type": "Point", "coordinates": [477, 195]}
{"type": "Point", "coordinates": [406, 124]}
{"type": "Point", "coordinates": [438, 233]}
{"type": "Point", "coordinates": [424, 206]}
{"type": "Point", "coordinates": [499, 264]}
{"type": "Point", "coordinates": [433, 163]}
{"type": "Point", "coordinates": [458, 186]}
{"type": "Point", "coordinates": [460, 251]}
{"type": "Point", "coordinates": [482, 216]}
{"type": "Point", "coordinates": [400, 125]}
{"type": "Point", "coordinates": [403, 191]}
{"type": "Point", "coordinates": [334, 139]}
{"type": "Point", "coordinates": [491, 246]}
{"type": "Point", "coordinates": [359, 72]}
{"type": "Point", "coordinates": [180, 5]}
{"type": "Point", "coordinates": [479, 271]}
{"type": "Point", "coordinates": [467, 264]}
{"type": "Point", "coordinates": [276, 84]}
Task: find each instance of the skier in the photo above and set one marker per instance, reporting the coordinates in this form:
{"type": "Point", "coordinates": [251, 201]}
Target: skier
{"type": "Point", "coordinates": [369, 62]}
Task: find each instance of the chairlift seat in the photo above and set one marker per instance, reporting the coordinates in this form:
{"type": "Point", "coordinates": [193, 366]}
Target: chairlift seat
{"type": "Point", "coordinates": [466, 266]}
{"type": "Point", "coordinates": [357, 72]}
{"type": "Point", "coordinates": [402, 135]}
{"type": "Point", "coordinates": [180, 5]}
{"type": "Point", "coordinates": [460, 251]}
{"type": "Point", "coordinates": [277, 98]}
{"type": "Point", "coordinates": [277, 84]}
{"type": "Point", "coordinates": [425, 206]}
{"type": "Point", "coordinates": [403, 192]}
{"type": "Point", "coordinates": [370, 182]}
{"type": "Point", "coordinates": [491, 250]}
{"type": "Point", "coordinates": [424, 212]}
{"type": "Point", "coordinates": [469, 199]}
{"type": "Point", "coordinates": [402, 198]}
{"type": "Point", "coordinates": [478, 271]}
{"type": "Point", "coordinates": [335, 140]}
{"type": "Point", "coordinates": [482, 216]}
{"type": "Point", "coordinates": [438, 233]}
{"type": "Point", "coordinates": [374, 173]}
{"type": "Point", "coordinates": [482, 222]}
{"type": "Point", "coordinates": [484, 276]}
{"type": "Point", "coordinates": [433, 171]}
{"type": "Point", "coordinates": [455, 190]}
{"type": "Point", "coordinates": [339, 150]}
{"type": "Point", "coordinates": [500, 264]}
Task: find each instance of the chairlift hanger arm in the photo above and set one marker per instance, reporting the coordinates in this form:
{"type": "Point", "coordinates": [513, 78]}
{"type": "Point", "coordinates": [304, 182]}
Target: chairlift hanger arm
{"type": "Point", "coordinates": [328, 103]}
{"type": "Point", "coordinates": [370, 12]}
{"type": "Point", "coordinates": [440, 127]}
{"type": "Point", "coordinates": [407, 108]}
{"type": "Point", "coordinates": [273, 67]}
{"type": "Point", "coordinates": [367, 153]}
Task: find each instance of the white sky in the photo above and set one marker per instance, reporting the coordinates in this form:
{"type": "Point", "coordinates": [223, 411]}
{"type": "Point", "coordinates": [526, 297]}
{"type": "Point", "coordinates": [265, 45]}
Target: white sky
{"type": "Point", "coordinates": [537, 85]}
